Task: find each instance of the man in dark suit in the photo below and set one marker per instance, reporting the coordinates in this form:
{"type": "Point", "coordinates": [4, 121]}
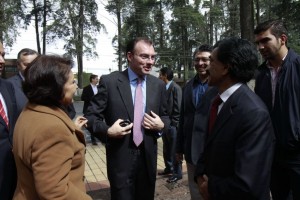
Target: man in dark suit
{"type": "Point", "coordinates": [240, 144]}
{"type": "Point", "coordinates": [190, 142]}
{"type": "Point", "coordinates": [131, 148]}
{"type": "Point", "coordinates": [25, 57]}
{"type": "Point", "coordinates": [174, 96]}
{"type": "Point", "coordinates": [8, 173]}
{"type": "Point", "coordinates": [87, 94]}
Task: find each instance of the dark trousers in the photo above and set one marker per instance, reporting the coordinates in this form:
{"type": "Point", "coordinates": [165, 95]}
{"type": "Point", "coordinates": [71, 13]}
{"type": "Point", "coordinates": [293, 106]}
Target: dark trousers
{"type": "Point", "coordinates": [285, 180]}
{"type": "Point", "coordinates": [169, 150]}
{"type": "Point", "coordinates": [169, 147]}
{"type": "Point", "coordinates": [138, 184]}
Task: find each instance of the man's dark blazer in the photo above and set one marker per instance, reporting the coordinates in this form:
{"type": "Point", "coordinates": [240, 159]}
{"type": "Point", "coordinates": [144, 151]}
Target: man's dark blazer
{"type": "Point", "coordinates": [239, 151]}
{"type": "Point", "coordinates": [113, 102]}
{"type": "Point", "coordinates": [17, 80]}
{"type": "Point", "coordinates": [174, 96]}
{"type": "Point", "coordinates": [8, 173]}
{"type": "Point", "coordinates": [190, 134]}
{"type": "Point", "coordinates": [86, 96]}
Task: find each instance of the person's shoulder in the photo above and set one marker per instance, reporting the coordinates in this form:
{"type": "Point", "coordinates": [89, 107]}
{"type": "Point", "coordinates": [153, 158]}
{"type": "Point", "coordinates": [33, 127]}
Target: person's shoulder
{"type": "Point", "coordinates": [176, 85]}
{"type": "Point", "coordinates": [15, 78]}
{"type": "Point", "coordinates": [5, 82]}
{"type": "Point", "coordinates": [113, 76]}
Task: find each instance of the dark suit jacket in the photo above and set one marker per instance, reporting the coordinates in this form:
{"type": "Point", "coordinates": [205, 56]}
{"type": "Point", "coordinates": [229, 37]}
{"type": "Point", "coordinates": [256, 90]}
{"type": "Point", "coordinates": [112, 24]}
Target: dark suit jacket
{"type": "Point", "coordinates": [8, 174]}
{"type": "Point", "coordinates": [17, 80]}
{"type": "Point", "coordinates": [190, 139]}
{"type": "Point", "coordinates": [239, 150]}
{"type": "Point", "coordinates": [113, 102]}
{"type": "Point", "coordinates": [174, 96]}
{"type": "Point", "coordinates": [86, 96]}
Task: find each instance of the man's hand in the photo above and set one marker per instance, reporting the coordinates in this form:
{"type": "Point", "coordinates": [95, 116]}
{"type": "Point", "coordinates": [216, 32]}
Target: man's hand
{"type": "Point", "coordinates": [118, 131]}
{"type": "Point", "coordinates": [80, 121]}
{"type": "Point", "coordinates": [202, 182]}
{"type": "Point", "coordinates": [152, 122]}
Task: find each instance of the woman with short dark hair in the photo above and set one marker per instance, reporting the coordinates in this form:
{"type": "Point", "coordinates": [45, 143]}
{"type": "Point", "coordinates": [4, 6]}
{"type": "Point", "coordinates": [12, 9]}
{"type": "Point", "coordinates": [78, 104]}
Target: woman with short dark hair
{"type": "Point", "coordinates": [48, 146]}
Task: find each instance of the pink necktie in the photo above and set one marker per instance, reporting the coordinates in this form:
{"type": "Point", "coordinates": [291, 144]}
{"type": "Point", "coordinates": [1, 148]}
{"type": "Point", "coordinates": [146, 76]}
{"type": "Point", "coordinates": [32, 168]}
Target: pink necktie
{"type": "Point", "coordinates": [138, 114]}
{"type": "Point", "coordinates": [2, 113]}
{"type": "Point", "coordinates": [214, 112]}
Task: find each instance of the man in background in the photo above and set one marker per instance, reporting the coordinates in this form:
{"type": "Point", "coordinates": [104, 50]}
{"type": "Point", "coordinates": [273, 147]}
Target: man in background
{"type": "Point", "coordinates": [9, 113]}
{"type": "Point", "coordinates": [87, 94]}
{"type": "Point", "coordinates": [278, 85]}
{"type": "Point", "coordinates": [25, 57]}
{"type": "Point", "coordinates": [190, 142]}
{"type": "Point", "coordinates": [174, 96]}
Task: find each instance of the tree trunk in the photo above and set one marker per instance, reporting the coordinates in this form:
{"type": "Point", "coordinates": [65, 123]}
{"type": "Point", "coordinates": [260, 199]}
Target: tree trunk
{"type": "Point", "coordinates": [36, 27]}
{"type": "Point", "coordinates": [247, 19]}
{"type": "Point", "coordinates": [119, 35]}
{"type": "Point", "coordinates": [44, 26]}
{"type": "Point", "coordinates": [79, 46]}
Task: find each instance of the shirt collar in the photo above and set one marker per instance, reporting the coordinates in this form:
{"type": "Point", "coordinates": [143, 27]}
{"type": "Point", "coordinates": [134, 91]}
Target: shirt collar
{"type": "Point", "coordinates": [168, 84]}
{"type": "Point", "coordinates": [227, 93]}
{"type": "Point", "coordinates": [132, 76]}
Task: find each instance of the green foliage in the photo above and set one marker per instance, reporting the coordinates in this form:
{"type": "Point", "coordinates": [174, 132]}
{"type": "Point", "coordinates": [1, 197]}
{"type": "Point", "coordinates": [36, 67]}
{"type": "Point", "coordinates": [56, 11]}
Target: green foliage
{"type": "Point", "coordinates": [11, 16]}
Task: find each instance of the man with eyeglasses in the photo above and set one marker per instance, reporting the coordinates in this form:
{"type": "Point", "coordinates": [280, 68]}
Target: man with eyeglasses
{"type": "Point", "coordinates": [130, 112]}
{"type": "Point", "coordinates": [191, 133]}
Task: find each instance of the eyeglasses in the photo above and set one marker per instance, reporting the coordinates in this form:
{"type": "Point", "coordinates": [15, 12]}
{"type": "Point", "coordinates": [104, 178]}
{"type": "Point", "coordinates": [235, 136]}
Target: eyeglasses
{"type": "Point", "coordinates": [147, 57]}
{"type": "Point", "coordinates": [202, 59]}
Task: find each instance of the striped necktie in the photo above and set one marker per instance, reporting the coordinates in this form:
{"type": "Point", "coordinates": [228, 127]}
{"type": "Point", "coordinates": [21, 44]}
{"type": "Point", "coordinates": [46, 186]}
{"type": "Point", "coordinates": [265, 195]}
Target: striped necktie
{"type": "Point", "coordinates": [2, 113]}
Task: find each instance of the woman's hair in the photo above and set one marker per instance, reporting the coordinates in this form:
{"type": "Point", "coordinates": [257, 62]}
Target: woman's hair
{"type": "Point", "coordinates": [45, 78]}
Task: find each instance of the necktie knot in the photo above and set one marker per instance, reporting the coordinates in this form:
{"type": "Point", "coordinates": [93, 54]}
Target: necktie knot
{"type": "Point", "coordinates": [217, 101]}
{"type": "Point", "coordinates": [214, 112]}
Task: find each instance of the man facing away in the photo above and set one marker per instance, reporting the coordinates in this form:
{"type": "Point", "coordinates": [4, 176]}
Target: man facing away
{"type": "Point", "coordinates": [87, 94]}
{"type": "Point", "coordinates": [190, 143]}
{"type": "Point", "coordinates": [131, 146]}
{"type": "Point", "coordinates": [8, 116]}
{"type": "Point", "coordinates": [278, 85]}
{"type": "Point", "coordinates": [25, 57]}
{"type": "Point", "coordinates": [239, 147]}
{"type": "Point", "coordinates": [174, 96]}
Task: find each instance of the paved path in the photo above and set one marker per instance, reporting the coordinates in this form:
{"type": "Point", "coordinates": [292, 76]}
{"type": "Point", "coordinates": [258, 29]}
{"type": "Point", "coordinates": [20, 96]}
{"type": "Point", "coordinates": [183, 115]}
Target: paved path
{"type": "Point", "coordinates": [96, 181]}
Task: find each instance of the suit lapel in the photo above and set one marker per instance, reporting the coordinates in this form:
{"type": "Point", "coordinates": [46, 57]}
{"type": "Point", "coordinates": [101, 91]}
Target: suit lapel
{"type": "Point", "coordinates": [224, 115]}
{"type": "Point", "coordinates": [125, 93]}
{"type": "Point", "coordinates": [149, 93]}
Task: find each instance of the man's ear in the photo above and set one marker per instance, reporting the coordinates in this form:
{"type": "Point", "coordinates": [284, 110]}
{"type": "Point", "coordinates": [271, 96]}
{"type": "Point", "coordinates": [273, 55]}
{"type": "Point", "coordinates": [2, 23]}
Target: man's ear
{"type": "Point", "coordinates": [129, 56]}
{"type": "Point", "coordinates": [283, 38]}
{"type": "Point", "coordinates": [226, 69]}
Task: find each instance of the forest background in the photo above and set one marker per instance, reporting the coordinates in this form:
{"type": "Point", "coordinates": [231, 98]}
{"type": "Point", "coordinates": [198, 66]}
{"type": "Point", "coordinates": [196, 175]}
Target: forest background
{"type": "Point", "coordinates": [177, 27]}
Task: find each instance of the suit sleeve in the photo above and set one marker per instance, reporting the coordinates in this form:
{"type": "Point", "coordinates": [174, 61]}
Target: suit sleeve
{"type": "Point", "coordinates": [51, 160]}
{"type": "Point", "coordinates": [95, 112]}
{"type": "Point", "coordinates": [177, 96]}
{"type": "Point", "coordinates": [163, 113]}
{"type": "Point", "coordinates": [180, 131]}
{"type": "Point", "coordinates": [84, 95]}
{"type": "Point", "coordinates": [253, 159]}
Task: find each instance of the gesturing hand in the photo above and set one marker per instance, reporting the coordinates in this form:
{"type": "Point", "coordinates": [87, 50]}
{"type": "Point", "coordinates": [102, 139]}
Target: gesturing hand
{"type": "Point", "coordinates": [152, 121]}
{"type": "Point", "coordinates": [118, 131]}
